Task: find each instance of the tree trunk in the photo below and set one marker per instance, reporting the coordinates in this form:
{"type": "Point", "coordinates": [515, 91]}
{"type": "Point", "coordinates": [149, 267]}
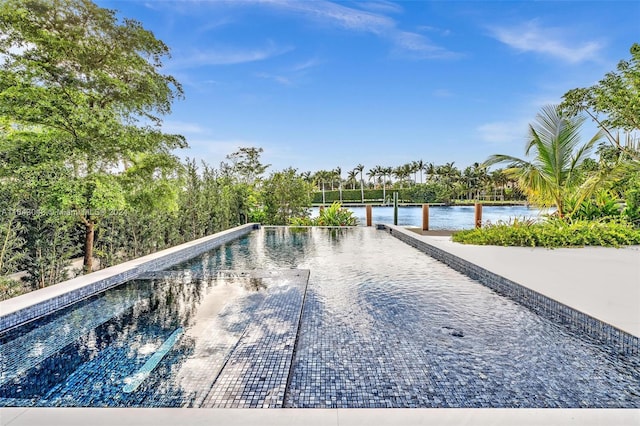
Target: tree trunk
{"type": "Point", "coordinates": [88, 246]}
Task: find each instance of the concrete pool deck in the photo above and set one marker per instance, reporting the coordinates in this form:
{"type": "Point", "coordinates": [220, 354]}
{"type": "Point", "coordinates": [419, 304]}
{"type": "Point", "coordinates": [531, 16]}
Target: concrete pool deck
{"type": "Point", "coordinates": [315, 416]}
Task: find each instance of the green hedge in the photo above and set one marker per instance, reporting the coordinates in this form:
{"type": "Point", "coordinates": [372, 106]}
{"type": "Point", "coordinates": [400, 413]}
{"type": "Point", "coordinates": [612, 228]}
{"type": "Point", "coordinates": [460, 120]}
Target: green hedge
{"type": "Point", "coordinates": [552, 233]}
{"type": "Point", "coordinates": [354, 195]}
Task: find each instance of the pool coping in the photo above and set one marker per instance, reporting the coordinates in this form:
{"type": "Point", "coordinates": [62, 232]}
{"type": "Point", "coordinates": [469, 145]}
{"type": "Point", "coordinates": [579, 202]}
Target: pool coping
{"type": "Point", "coordinates": [27, 307]}
{"type": "Point", "coordinates": [317, 416]}
{"type": "Point", "coordinates": [543, 305]}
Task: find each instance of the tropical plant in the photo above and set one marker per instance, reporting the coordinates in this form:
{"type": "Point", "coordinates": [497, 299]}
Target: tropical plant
{"type": "Point", "coordinates": [419, 167]}
{"type": "Point", "coordinates": [338, 174]}
{"type": "Point", "coordinates": [334, 215]}
{"type": "Point", "coordinates": [360, 169]}
{"type": "Point", "coordinates": [321, 178]}
{"type": "Point", "coordinates": [552, 233]}
{"type": "Point", "coordinates": [352, 178]}
{"type": "Point", "coordinates": [550, 178]}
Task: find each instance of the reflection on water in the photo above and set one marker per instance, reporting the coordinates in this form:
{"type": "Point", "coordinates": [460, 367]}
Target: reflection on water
{"type": "Point", "coordinates": [387, 326]}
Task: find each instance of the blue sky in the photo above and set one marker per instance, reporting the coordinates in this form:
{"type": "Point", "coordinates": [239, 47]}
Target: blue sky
{"type": "Point", "coordinates": [320, 84]}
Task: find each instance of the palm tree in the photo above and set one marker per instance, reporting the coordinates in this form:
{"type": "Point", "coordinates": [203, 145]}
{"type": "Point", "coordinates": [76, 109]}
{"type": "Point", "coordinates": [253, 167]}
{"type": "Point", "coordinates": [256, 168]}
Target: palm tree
{"type": "Point", "coordinates": [338, 173]}
{"type": "Point", "coordinates": [373, 174]}
{"type": "Point", "coordinates": [552, 176]}
{"type": "Point", "coordinates": [476, 178]}
{"type": "Point", "coordinates": [352, 178]}
{"type": "Point", "coordinates": [416, 166]}
{"type": "Point", "coordinates": [360, 168]}
{"type": "Point", "coordinates": [385, 171]}
{"type": "Point", "coordinates": [321, 177]}
{"type": "Point", "coordinates": [499, 180]}
{"type": "Point", "coordinates": [420, 165]}
{"type": "Point", "coordinates": [402, 173]}
{"type": "Point", "coordinates": [430, 170]}
{"type": "Point", "coordinates": [448, 175]}
{"type": "Point", "coordinates": [306, 176]}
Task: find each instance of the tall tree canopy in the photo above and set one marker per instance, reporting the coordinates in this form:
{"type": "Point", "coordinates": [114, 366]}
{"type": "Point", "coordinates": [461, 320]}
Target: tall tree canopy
{"type": "Point", "coordinates": [93, 83]}
{"type": "Point", "coordinates": [614, 102]}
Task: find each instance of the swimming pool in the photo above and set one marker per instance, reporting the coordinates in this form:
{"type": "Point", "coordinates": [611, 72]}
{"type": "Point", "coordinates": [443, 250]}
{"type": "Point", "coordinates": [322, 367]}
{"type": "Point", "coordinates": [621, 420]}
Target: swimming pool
{"type": "Point", "coordinates": [376, 323]}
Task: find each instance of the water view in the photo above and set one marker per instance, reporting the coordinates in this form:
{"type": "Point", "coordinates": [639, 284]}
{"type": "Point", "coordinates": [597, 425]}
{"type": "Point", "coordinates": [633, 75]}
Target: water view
{"type": "Point", "coordinates": [446, 217]}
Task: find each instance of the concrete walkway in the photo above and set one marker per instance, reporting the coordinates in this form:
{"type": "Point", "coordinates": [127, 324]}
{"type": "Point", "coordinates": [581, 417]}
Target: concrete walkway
{"type": "Point", "coordinates": [603, 282]}
{"type": "Point", "coordinates": [314, 417]}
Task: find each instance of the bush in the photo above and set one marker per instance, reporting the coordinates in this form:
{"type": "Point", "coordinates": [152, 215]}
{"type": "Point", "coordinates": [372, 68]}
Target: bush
{"type": "Point", "coordinates": [552, 233]}
{"type": "Point", "coordinates": [10, 288]}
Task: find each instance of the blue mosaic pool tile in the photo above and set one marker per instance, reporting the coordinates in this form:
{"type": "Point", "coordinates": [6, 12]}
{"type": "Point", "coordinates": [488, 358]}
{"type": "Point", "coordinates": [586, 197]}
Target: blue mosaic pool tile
{"type": "Point", "coordinates": [37, 310]}
{"type": "Point", "coordinates": [394, 329]}
{"type": "Point", "coordinates": [538, 303]}
{"type": "Point", "coordinates": [256, 373]}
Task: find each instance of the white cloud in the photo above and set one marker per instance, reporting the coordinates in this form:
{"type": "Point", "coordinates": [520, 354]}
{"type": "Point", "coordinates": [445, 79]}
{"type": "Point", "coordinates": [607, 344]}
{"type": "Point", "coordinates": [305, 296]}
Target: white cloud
{"type": "Point", "coordinates": [503, 132]}
{"type": "Point", "coordinates": [329, 13]}
{"type": "Point", "coordinates": [214, 25]}
{"type": "Point", "coordinates": [531, 37]}
{"type": "Point", "coordinates": [302, 66]}
{"type": "Point", "coordinates": [230, 56]}
{"type": "Point", "coordinates": [419, 46]}
{"type": "Point", "coordinates": [285, 81]}
{"type": "Point", "coordinates": [380, 6]}
{"type": "Point", "coordinates": [436, 30]}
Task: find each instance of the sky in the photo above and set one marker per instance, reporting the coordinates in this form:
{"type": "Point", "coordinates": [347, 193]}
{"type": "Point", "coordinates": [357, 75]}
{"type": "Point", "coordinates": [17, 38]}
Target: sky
{"type": "Point", "coordinates": [320, 84]}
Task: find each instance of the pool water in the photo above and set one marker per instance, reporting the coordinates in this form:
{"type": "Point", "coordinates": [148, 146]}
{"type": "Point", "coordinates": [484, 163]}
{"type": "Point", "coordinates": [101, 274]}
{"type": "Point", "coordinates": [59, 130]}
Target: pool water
{"type": "Point", "coordinates": [376, 323]}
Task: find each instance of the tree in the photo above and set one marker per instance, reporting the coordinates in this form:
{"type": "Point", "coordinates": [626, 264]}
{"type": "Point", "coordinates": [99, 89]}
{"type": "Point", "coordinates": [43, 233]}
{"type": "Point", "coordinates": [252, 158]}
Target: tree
{"type": "Point", "coordinates": [247, 165]}
{"type": "Point", "coordinates": [321, 177]}
{"type": "Point", "coordinates": [616, 97]}
{"type": "Point", "coordinates": [338, 173]}
{"type": "Point", "coordinates": [430, 170]}
{"type": "Point", "coordinates": [552, 176]}
{"type": "Point", "coordinates": [360, 169]}
{"type": "Point", "coordinates": [37, 183]}
{"type": "Point", "coordinates": [286, 195]}
{"type": "Point", "coordinates": [71, 67]}
{"type": "Point", "coordinates": [373, 174]}
{"type": "Point", "coordinates": [352, 178]}
{"type": "Point", "coordinates": [420, 166]}
{"type": "Point", "coordinates": [403, 173]}
{"type": "Point", "coordinates": [499, 179]}
{"type": "Point", "coordinates": [386, 171]}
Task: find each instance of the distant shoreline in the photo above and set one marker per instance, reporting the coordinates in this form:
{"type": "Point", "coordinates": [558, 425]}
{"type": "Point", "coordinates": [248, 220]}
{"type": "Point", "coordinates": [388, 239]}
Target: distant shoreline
{"type": "Point", "coordinates": [470, 203]}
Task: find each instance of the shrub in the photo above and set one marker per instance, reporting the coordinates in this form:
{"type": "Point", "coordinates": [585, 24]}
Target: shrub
{"type": "Point", "coordinates": [10, 288]}
{"type": "Point", "coordinates": [553, 233]}
{"type": "Point", "coordinates": [333, 215]}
